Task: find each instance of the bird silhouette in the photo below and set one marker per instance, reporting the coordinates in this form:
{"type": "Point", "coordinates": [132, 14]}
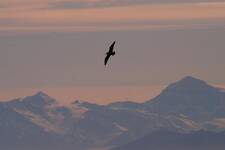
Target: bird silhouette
{"type": "Point", "coordinates": [110, 53]}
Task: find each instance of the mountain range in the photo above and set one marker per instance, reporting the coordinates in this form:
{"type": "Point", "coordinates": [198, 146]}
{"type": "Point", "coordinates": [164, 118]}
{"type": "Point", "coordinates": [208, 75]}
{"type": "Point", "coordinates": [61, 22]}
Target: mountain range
{"type": "Point", "coordinates": [186, 110]}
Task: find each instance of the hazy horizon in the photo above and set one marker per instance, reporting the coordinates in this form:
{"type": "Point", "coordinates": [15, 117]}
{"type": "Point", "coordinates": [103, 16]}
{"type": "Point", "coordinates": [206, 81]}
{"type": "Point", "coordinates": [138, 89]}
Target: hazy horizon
{"type": "Point", "coordinates": [99, 95]}
{"type": "Point", "coordinates": [61, 44]}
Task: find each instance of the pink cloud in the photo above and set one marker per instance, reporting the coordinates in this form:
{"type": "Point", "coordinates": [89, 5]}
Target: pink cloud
{"type": "Point", "coordinates": [101, 17]}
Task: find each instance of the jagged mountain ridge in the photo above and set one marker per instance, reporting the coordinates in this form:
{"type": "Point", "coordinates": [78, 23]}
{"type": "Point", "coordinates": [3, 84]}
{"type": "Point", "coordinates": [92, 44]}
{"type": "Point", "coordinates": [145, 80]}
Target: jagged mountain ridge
{"type": "Point", "coordinates": [83, 124]}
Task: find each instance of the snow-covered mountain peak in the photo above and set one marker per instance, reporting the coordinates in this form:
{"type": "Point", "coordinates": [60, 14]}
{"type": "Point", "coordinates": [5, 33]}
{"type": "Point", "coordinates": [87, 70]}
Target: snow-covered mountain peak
{"type": "Point", "coordinates": [189, 82]}
{"type": "Point", "coordinates": [40, 99]}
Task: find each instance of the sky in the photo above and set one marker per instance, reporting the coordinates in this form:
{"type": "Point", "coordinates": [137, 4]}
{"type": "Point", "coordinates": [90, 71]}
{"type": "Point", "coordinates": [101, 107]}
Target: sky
{"type": "Point", "coordinates": [59, 46]}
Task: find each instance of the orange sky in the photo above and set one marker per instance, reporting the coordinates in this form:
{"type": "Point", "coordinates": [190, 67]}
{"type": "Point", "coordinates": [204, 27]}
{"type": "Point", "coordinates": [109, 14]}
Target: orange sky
{"type": "Point", "coordinates": [97, 94]}
{"type": "Point", "coordinates": [101, 95]}
{"type": "Point", "coordinates": [57, 60]}
{"type": "Point", "coordinates": [27, 17]}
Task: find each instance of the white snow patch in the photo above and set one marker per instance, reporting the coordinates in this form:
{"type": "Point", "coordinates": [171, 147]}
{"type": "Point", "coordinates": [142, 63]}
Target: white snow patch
{"type": "Point", "coordinates": [189, 122]}
{"type": "Point", "coordinates": [121, 127]}
{"type": "Point", "coordinates": [219, 122]}
{"type": "Point", "coordinates": [77, 111]}
{"type": "Point", "coordinates": [41, 122]}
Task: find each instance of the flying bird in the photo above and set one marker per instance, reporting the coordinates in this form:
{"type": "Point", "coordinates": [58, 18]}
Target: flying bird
{"type": "Point", "coordinates": [110, 53]}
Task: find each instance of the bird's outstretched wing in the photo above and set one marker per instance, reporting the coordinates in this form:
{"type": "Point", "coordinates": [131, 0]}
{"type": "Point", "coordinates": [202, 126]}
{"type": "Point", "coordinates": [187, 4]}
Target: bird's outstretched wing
{"type": "Point", "coordinates": [106, 59]}
{"type": "Point", "coordinates": [112, 46]}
